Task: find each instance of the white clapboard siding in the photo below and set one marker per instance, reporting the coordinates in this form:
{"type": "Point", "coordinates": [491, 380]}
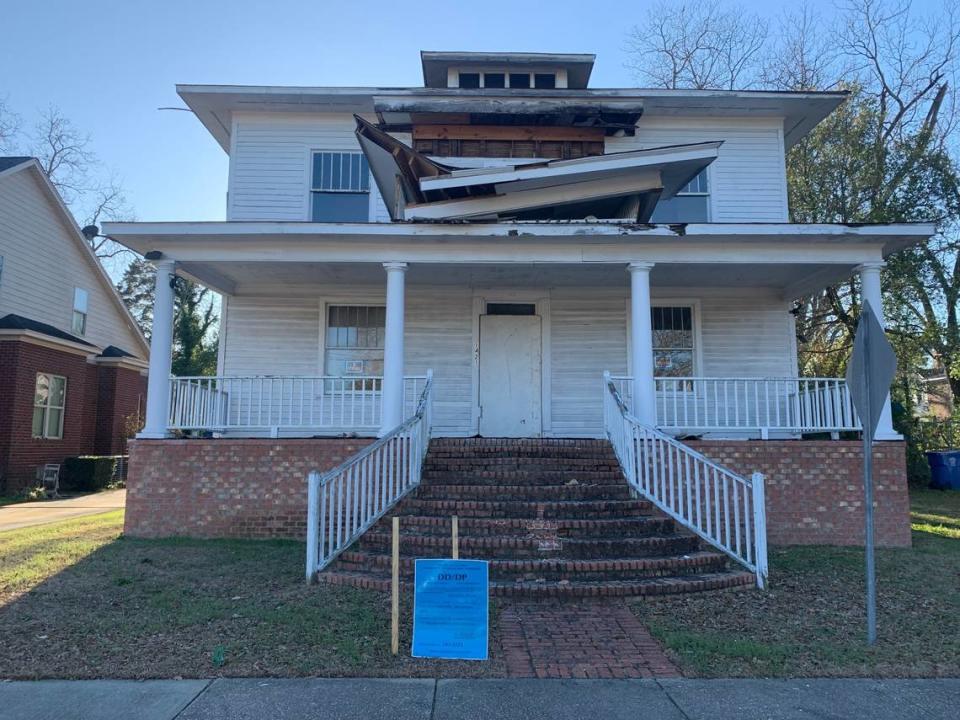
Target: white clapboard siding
{"type": "Point", "coordinates": [281, 336]}
{"type": "Point", "coordinates": [743, 333]}
{"type": "Point", "coordinates": [588, 332]}
{"type": "Point", "coordinates": [270, 163]}
{"type": "Point", "coordinates": [43, 263]}
{"type": "Point", "coordinates": [748, 181]}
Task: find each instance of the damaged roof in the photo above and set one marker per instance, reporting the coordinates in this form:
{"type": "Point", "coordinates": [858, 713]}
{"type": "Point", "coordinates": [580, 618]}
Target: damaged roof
{"type": "Point", "coordinates": [625, 185]}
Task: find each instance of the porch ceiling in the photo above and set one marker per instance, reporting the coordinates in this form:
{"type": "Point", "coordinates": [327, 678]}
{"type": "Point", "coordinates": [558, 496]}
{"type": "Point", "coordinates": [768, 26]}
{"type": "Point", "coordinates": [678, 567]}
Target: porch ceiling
{"type": "Point", "coordinates": [254, 277]}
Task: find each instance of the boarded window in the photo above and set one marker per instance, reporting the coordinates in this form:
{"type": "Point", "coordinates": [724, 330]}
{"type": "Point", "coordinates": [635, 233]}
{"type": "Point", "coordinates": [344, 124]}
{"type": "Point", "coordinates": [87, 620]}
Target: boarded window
{"type": "Point", "coordinates": [340, 188]}
{"type": "Point", "coordinates": [673, 341]}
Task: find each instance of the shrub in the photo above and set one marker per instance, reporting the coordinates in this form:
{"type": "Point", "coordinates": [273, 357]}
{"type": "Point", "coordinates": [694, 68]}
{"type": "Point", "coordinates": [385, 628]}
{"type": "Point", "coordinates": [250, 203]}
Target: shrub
{"type": "Point", "coordinates": [88, 473]}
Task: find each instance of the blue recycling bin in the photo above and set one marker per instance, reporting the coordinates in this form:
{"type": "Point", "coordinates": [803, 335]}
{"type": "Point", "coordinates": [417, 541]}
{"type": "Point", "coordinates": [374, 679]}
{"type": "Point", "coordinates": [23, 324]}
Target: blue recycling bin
{"type": "Point", "coordinates": [944, 469]}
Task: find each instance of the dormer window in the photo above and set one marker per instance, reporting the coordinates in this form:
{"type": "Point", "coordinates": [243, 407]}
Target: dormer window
{"type": "Point", "coordinates": [520, 80]}
{"type": "Point", "coordinates": [494, 80]}
{"type": "Point", "coordinates": [545, 81]}
{"type": "Point", "coordinates": [470, 80]}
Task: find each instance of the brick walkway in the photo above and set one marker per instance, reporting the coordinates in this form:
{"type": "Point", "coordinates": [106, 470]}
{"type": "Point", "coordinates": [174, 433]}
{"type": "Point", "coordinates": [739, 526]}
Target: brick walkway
{"type": "Point", "coordinates": [589, 639]}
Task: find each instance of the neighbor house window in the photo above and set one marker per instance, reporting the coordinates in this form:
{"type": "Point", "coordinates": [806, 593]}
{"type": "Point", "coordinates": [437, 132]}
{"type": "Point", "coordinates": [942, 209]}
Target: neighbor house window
{"type": "Point", "coordinates": [689, 205]}
{"type": "Point", "coordinates": [354, 341]}
{"type": "Point", "coordinates": [49, 400]}
{"type": "Point", "coordinates": [80, 301]}
{"type": "Point", "coordinates": [340, 190]}
{"type": "Point", "coordinates": [673, 341]}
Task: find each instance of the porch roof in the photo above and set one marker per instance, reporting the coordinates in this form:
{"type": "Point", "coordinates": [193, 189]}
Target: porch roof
{"type": "Point", "coordinates": [795, 259]}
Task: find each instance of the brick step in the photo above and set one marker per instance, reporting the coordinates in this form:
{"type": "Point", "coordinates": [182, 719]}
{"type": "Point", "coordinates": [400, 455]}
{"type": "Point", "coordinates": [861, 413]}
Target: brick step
{"type": "Point", "coordinates": [476, 448]}
{"type": "Point", "coordinates": [573, 589]}
{"type": "Point", "coordinates": [558, 509]}
{"type": "Point", "coordinates": [379, 565]}
{"type": "Point", "coordinates": [477, 476]}
{"type": "Point", "coordinates": [515, 547]}
{"type": "Point", "coordinates": [524, 493]}
{"type": "Point", "coordinates": [641, 526]}
{"type": "Point", "coordinates": [520, 463]}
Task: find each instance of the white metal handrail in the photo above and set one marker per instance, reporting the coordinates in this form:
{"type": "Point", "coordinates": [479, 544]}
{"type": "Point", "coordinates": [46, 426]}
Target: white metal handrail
{"type": "Point", "coordinates": [346, 501]}
{"type": "Point", "coordinates": [796, 404]}
{"type": "Point", "coordinates": [723, 508]}
{"type": "Point", "coordinates": [223, 403]}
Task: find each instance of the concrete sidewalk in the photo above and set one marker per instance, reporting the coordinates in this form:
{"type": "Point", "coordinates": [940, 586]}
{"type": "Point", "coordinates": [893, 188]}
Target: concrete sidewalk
{"type": "Point", "coordinates": [41, 512]}
{"type": "Point", "coordinates": [360, 699]}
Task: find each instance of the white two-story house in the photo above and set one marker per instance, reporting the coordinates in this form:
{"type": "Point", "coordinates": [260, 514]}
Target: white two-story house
{"type": "Point", "coordinates": [516, 234]}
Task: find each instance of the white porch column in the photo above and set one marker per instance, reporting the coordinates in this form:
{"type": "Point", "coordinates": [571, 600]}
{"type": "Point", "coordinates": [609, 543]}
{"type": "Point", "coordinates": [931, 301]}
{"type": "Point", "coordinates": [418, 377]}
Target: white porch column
{"type": "Point", "coordinates": [161, 348]}
{"type": "Point", "coordinates": [870, 284]}
{"type": "Point", "coordinates": [392, 413]}
{"type": "Point", "coordinates": [644, 404]}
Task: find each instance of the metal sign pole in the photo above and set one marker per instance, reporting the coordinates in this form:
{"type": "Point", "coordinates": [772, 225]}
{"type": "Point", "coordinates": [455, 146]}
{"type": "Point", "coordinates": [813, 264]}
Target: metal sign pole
{"type": "Point", "coordinates": [868, 498]}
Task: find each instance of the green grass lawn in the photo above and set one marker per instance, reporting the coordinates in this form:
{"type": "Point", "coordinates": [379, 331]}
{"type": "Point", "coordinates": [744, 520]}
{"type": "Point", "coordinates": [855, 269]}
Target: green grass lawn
{"type": "Point", "coordinates": [811, 622]}
{"type": "Point", "coordinates": [78, 600]}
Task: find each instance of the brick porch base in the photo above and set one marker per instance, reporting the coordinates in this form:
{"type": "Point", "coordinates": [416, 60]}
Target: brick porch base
{"type": "Point", "coordinates": [257, 487]}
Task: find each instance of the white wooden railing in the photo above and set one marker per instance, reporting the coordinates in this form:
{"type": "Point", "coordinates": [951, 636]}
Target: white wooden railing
{"type": "Point", "coordinates": [723, 508]}
{"type": "Point", "coordinates": [707, 404]}
{"type": "Point", "coordinates": [346, 501]}
{"type": "Point", "coordinates": [273, 403]}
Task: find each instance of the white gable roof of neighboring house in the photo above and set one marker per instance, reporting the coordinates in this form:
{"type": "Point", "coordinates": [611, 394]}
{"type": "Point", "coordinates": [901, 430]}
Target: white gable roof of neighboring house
{"type": "Point", "coordinates": [12, 165]}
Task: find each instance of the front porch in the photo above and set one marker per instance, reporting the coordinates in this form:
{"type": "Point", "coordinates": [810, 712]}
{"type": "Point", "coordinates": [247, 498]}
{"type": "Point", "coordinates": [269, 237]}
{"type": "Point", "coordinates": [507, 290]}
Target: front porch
{"type": "Point", "coordinates": [332, 330]}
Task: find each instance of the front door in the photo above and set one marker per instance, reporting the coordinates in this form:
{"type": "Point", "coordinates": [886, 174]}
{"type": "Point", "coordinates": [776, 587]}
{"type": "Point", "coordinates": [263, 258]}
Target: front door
{"type": "Point", "coordinates": [510, 376]}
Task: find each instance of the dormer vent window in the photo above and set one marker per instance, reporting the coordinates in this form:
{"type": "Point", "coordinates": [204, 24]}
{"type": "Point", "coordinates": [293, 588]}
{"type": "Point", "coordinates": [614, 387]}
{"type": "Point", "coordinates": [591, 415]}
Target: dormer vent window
{"type": "Point", "coordinates": [502, 79]}
{"type": "Point", "coordinates": [544, 81]}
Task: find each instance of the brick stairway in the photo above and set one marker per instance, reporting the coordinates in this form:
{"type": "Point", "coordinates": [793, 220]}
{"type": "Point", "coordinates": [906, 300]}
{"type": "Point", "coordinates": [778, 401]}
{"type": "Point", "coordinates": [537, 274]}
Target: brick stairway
{"type": "Point", "coordinates": [554, 517]}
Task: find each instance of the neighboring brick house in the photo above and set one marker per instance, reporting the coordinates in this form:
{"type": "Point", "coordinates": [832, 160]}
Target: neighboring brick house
{"type": "Point", "coordinates": [72, 359]}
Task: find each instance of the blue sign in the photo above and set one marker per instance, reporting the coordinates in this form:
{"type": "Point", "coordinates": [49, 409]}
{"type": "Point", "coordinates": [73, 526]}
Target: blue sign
{"type": "Point", "coordinates": [451, 609]}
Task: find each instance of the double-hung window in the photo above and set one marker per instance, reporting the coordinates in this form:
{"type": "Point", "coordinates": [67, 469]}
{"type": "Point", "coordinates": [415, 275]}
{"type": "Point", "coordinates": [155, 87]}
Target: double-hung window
{"type": "Point", "coordinates": [340, 187]}
{"type": "Point", "coordinates": [673, 341]}
{"type": "Point", "coordinates": [50, 398]}
{"type": "Point", "coordinates": [353, 346]}
{"type": "Point", "coordinates": [81, 300]}
{"type": "Point", "coordinates": [689, 205]}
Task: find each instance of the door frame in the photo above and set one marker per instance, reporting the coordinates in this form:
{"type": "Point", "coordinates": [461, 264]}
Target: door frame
{"type": "Point", "coordinates": [540, 297]}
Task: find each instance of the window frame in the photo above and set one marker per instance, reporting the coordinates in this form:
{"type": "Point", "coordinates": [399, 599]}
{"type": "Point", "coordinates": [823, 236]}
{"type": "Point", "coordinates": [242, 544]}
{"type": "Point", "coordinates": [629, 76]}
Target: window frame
{"type": "Point", "coordinates": [313, 189]}
{"type": "Point", "coordinates": [46, 407]}
{"type": "Point", "coordinates": [694, 305]}
{"type": "Point", "coordinates": [325, 307]}
{"type": "Point", "coordinates": [83, 313]}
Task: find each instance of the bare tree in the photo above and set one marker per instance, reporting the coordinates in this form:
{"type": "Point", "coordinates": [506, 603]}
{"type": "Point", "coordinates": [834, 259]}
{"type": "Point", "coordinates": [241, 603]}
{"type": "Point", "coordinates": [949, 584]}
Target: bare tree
{"type": "Point", "coordinates": [704, 45]}
{"type": "Point", "coordinates": [802, 55]}
{"type": "Point", "coordinates": [9, 127]}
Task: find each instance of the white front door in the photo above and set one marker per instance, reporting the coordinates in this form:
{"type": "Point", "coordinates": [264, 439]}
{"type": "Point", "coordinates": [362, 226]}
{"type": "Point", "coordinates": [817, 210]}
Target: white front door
{"type": "Point", "coordinates": [510, 376]}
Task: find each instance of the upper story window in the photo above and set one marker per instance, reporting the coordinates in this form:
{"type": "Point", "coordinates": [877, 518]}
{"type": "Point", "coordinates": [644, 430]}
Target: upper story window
{"type": "Point", "coordinates": [81, 300]}
{"type": "Point", "coordinates": [497, 79]}
{"type": "Point", "coordinates": [50, 398]}
{"type": "Point", "coordinates": [690, 205]}
{"type": "Point", "coordinates": [340, 187]}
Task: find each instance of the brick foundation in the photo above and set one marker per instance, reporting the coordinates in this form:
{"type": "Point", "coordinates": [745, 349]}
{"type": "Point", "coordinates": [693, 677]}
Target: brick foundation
{"type": "Point", "coordinates": [814, 489]}
{"type": "Point", "coordinates": [249, 488]}
{"type": "Point", "coordinates": [257, 488]}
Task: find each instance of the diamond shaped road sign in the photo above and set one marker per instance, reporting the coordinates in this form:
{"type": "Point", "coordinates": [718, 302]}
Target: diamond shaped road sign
{"type": "Point", "coordinates": [871, 369]}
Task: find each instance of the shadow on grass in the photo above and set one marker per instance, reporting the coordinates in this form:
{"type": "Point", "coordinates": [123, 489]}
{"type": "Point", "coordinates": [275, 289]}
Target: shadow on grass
{"type": "Point", "coordinates": [180, 607]}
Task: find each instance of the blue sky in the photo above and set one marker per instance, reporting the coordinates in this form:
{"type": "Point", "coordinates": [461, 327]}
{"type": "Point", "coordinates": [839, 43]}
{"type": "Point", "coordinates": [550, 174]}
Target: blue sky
{"type": "Point", "coordinates": [109, 65]}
